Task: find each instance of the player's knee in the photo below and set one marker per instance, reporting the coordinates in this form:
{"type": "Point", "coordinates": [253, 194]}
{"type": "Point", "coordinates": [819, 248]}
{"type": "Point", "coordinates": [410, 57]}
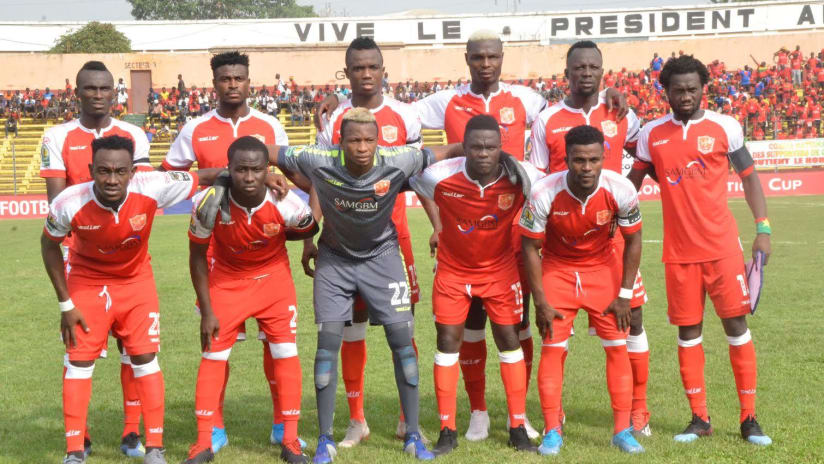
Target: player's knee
{"type": "Point", "coordinates": [142, 358]}
{"type": "Point", "coordinates": [283, 350]}
{"type": "Point", "coordinates": [330, 336]}
{"type": "Point", "coordinates": [689, 332]}
{"type": "Point", "coordinates": [449, 338]}
{"type": "Point", "coordinates": [735, 326]}
{"type": "Point", "coordinates": [399, 336]}
{"type": "Point", "coordinates": [146, 368]}
{"type": "Point", "coordinates": [506, 337]}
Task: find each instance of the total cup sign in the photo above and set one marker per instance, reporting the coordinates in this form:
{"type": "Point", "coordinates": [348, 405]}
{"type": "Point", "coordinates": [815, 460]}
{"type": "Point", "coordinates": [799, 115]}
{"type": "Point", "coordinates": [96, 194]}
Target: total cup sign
{"type": "Point", "coordinates": [23, 206]}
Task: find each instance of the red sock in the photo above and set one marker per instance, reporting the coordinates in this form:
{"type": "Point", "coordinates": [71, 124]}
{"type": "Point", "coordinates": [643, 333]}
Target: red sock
{"type": "Point", "coordinates": [529, 352]}
{"type": "Point", "coordinates": [745, 369]}
{"type": "Point", "coordinates": [77, 391]}
{"type": "Point", "coordinates": [217, 420]}
{"type": "Point", "coordinates": [473, 366]}
{"type": "Point", "coordinates": [353, 366]}
{"type": "Point", "coordinates": [446, 387]}
{"type": "Point", "coordinates": [152, 394]}
{"type": "Point", "coordinates": [638, 349]}
{"type": "Point", "coordinates": [269, 372]}
{"type": "Point", "coordinates": [131, 400]}
{"type": "Point", "coordinates": [562, 414]}
{"type": "Point", "coordinates": [288, 376]}
{"type": "Point", "coordinates": [208, 392]}
{"type": "Point", "coordinates": [619, 383]}
{"type": "Point", "coordinates": [551, 383]}
{"type": "Point", "coordinates": [691, 360]}
{"type": "Point", "coordinates": [513, 375]}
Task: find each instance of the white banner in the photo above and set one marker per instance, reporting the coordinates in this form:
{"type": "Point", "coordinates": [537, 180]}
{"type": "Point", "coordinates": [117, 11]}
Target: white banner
{"type": "Point", "coordinates": [800, 153]}
{"type": "Point", "coordinates": [623, 24]}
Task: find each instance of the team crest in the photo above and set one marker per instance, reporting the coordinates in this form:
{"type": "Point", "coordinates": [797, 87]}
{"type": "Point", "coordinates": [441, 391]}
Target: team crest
{"type": "Point", "coordinates": [609, 128]}
{"type": "Point", "coordinates": [259, 137]}
{"type": "Point", "coordinates": [271, 229]}
{"type": "Point", "coordinates": [507, 115]}
{"type": "Point", "coordinates": [382, 187]}
{"type": "Point", "coordinates": [138, 222]}
{"type": "Point", "coordinates": [506, 201]}
{"type": "Point", "coordinates": [389, 134]}
{"type": "Point", "coordinates": [602, 217]}
{"type": "Point", "coordinates": [705, 144]}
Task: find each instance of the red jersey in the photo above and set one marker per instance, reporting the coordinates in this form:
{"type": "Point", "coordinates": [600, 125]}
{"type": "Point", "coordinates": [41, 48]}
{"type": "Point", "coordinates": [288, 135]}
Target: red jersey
{"type": "Point", "coordinates": [67, 149]}
{"type": "Point", "coordinates": [575, 232]}
{"type": "Point", "coordinates": [515, 107]}
{"type": "Point", "coordinates": [398, 124]}
{"type": "Point", "coordinates": [692, 162]}
{"type": "Point", "coordinates": [548, 146]}
{"type": "Point", "coordinates": [206, 139]}
{"type": "Point", "coordinates": [476, 239]}
{"type": "Point", "coordinates": [111, 246]}
{"type": "Point", "coordinates": [253, 243]}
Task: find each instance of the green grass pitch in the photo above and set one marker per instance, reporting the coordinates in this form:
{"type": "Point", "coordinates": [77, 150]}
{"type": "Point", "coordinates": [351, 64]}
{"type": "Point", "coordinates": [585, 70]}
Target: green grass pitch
{"type": "Point", "coordinates": [787, 331]}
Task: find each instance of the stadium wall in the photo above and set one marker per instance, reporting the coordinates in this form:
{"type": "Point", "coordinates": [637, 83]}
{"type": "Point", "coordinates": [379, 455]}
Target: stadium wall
{"type": "Point", "coordinates": [321, 65]}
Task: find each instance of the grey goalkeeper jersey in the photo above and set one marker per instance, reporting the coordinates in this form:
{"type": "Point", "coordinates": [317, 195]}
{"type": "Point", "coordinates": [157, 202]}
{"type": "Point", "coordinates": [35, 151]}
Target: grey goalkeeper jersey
{"type": "Point", "coordinates": [357, 212]}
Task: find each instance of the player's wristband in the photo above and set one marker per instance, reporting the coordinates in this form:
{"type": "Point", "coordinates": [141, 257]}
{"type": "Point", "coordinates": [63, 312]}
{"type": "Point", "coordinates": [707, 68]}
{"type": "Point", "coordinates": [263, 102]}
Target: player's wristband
{"type": "Point", "coordinates": [762, 226]}
{"type": "Point", "coordinates": [625, 293]}
{"type": "Point", "coordinates": [65, 306]}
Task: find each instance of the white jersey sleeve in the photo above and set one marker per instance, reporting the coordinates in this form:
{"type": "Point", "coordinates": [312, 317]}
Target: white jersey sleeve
{"type": "Point", "coordinates": [424, 183]}
{"type": "Point", "coordinates": [327, 132]}
{"type": "Point", "coordinates": [432, 109]}
{"type": "Point", "coordinates": [295, 212]}
{"type": "Point", "coordinates": [167, 188]}
{"type": "Point", "coordinates": [412, 121]}
{"type": "Point", "coordinates": [281, 138]}
{"type": "Point", "coordinates": [539, 152]}
{"type": "Point", "coordinates": [642, 149]}
{"type": "Point", "coordinates": [633, 129]}
{"type": "Point", "coordinates": [51, 153]}
{"type": "Point", "coordinates": [534, 216]}
{"type": "Point", "coordinates": [626, 198]}
{"type": "Point", "coordinates": [534, 174]}
{"type": "Point", "coordinates": [181, 154]}
{"type": "Point", "coordinates": [141, 143]}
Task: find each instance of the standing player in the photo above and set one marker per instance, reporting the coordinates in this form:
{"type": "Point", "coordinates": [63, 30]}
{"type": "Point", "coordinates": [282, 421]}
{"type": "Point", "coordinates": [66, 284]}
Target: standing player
{"type": "Point", "coordinates": [64, 161]}
{"type": "Point", "coordinates": [110, 277]}
{"type": "Point", "coordinates": [250, 265]}
{"type": "Point", "coordinates": [475, 260]}
{"type": "Point", "coordinates": [205, 140]}
{"type": "Point", "coordinates": [585, 105]}
{"type": "Point", "coordinates": [690, 151]}
{"type": "Point", "coordinates": [397, 125]}
{"type": "Point", "coordinates": [569, 215]}
{"type": "Point", "coordinates": [357, 184]}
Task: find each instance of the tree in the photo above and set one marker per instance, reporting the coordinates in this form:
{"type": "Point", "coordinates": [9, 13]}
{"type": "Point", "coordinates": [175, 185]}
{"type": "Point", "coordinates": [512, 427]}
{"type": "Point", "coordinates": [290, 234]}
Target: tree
{"type": "Point", "coordinates": [218, 9]}
{"type": "Point", "coordinates": [94, 37]}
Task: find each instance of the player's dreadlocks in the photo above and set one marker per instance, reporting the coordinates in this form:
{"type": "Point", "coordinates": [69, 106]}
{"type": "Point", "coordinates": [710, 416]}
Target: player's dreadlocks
{"type": "Point", "coordinates": [684, 64]}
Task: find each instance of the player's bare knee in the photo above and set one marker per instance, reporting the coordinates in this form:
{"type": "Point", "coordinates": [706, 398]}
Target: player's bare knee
{"type": "Point", "coordinates": [449, 337]}
{"type": "Point", "coordinates": [689, 332]}
{"type": "Point", "coordinates": [142, 358]}
{"type": "Point", "coordinates": [506, 337]}
{"type": "Point", "coordinates": [735, 326]}
{"type": "Point", "coordinates": [83, 364]}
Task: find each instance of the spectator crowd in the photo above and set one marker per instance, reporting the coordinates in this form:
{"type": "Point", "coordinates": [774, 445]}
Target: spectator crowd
{"type": "Point", "coordinates": [781, 100]}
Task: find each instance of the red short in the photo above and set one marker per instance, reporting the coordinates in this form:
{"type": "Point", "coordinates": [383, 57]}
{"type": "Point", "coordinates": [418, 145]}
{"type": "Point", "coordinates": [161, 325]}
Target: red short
{"type": "Point", "coordinates": [411, 274]}
{"type": "Point", "coordinates": [592, 290]}
{"type": "Point", "coordinates": [502, 300]}
{"type": "Point", "coordinates": [688, 285]}
{"type": "Point", "coordinates": [270, 299]}
{"type": "Point", "coordinates": [130, 311]}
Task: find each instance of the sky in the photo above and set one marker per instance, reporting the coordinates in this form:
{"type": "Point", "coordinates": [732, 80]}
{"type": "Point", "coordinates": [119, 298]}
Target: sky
{"type": "Point", "coordinates": [112, 10]}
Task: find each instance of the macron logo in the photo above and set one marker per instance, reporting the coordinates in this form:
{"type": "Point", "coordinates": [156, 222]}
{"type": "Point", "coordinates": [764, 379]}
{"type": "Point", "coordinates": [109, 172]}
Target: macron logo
{"type": "Point", "coordinates": [693, 391]}
{"type": "Point", "coordinates": [208, 138]}
{"type": "Point", "coordinates": [561, 129]}
{"type": "Point", "coordinates": [747, 392]}
{"type": "Point", "coordinates": [78, 147]}
{"type": "Point", "coordinates": [133, 403]}
{"type": "Point", "coordinates": [72, 433]}
{"type": "Point", "coordinates": [156, 430]}
{"type": "Point", "coordinates": [660, 142]}
{"type": "Point", "coordinates": [353, 394]}
{"type": "Point", "coordinates": [291, 412]}
{"type": "Point", "coordinates": [204, 413]}
{"type": "Point", "coordinates": [453, 194]}
{"type": "Point", "coordinates": [560, 213]}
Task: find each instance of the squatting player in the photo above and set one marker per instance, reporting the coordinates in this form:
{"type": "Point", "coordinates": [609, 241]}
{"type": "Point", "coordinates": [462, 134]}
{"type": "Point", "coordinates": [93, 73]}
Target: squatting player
{"type": "Point", "coordinates": [357, 184]}
{"type": "Point", "coordinates": [690, 151]}
{"type": "Point", "coordinates": [250, 266]}
{"type": "Point", "coordinates": [397, 125]}
{"type": "Point", "coordinates": [585, 105]}
{"type": "Point", "coordinates": [205, 140]}
{"type": "Point", "coordinates": [570, 214]}
{"type": "Point", "coordinates": [110, 278]}
{"type": "Point", "coordinates": [477, 206]}
{"type": "Point", "coordinates": [64, 161]}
